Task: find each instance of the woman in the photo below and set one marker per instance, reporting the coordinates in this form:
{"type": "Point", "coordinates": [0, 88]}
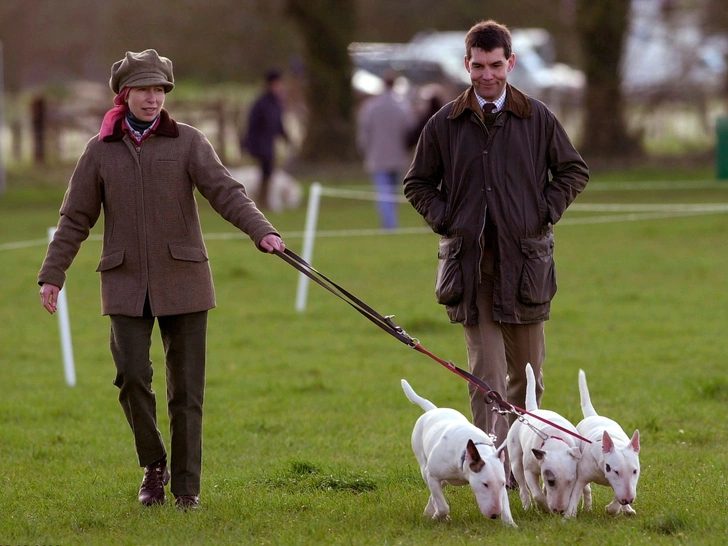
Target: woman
{"type": "Point", "coordinates": [142, 170]}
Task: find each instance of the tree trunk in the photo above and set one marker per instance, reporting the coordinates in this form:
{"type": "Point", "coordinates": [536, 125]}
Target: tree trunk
{"type": "Point", "coordinates": [601, 27]}
{"type": "Point", "coordinates": [327, 28]}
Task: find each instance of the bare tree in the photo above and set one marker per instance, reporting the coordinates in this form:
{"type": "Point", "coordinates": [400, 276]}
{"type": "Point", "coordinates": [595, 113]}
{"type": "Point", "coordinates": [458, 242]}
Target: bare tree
{"type": "Point", "coordinates": [716, 18]}
{"type": "Point", "coordinates": [601, 27]}
{"type": "Point", "coordinates": [327, 28]}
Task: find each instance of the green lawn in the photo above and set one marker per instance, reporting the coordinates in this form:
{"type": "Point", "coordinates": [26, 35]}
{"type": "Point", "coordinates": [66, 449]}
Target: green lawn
{"type": "Point", "coordinates": [307, 429]}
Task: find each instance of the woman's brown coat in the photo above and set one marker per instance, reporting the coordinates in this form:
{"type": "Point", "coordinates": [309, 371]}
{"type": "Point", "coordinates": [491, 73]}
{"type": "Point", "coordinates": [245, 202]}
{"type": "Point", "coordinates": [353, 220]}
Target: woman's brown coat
{"type": "Point", "coordinates": [152, 239]}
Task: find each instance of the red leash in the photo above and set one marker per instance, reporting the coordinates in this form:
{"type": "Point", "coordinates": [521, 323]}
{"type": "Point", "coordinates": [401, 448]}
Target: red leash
{"type": "Point", "coordinates": [386, 324]}
{"type": "Point", "coordinates": [493, 396]}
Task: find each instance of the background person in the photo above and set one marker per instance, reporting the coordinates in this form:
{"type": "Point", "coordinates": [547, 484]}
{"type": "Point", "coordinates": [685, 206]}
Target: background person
{"type": "Point", "coordinates": [433, 103]}
{"type": "Point", "coordinates": [142, 170]}
{"type": "Point", "coordinates": [383, 126]}
{"type": "Point", "coordinates": [265, 124]}
{"type": "Point", "coordinates": [493, 171]}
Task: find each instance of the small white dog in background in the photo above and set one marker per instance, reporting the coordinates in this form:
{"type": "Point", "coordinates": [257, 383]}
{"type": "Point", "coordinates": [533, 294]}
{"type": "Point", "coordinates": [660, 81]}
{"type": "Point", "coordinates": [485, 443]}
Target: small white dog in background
{"type": "Point", "coordinates": [453, 451]}
{"type": "Point", "coordinates": [542, 453]}
{"type": "Point", "coordinates": [612, 459]}
{"type": "Point", "coordinates": [284, 193]}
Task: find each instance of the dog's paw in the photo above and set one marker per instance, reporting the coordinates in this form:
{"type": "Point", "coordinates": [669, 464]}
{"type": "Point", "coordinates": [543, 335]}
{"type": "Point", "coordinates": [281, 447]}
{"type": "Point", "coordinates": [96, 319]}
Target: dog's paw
{"type": "Point", "coordinates": [627, 510]}
{"type": "Point", "coordinates": [441, 517]}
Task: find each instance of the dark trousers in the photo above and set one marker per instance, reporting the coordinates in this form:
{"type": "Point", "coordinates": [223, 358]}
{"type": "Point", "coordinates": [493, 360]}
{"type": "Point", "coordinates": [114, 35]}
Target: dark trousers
{"type": "Point", "coordinates": [184, 338]}
{"type": "Point", "coordinates": [498, 354]}
{"type": "Point", "coordinates": [265, 166]}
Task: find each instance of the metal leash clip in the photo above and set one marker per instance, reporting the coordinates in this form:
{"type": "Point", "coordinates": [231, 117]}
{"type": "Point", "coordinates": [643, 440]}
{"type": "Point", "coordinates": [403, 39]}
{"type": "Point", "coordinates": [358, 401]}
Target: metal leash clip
{"type": "Point", "coordinates": [412, 341]}
{"type": "Point", "coordinates": [540, 433]}
{"type": "Point", "coordinates": [501, 406]}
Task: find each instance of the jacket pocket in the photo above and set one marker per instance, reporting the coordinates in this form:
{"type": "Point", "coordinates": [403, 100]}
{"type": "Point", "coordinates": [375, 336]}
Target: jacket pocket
{"type": "Point", "coordinates": [110, 261]}
{"type": "Point", "coordinates": [538, 276]}
{"type": "Point", "coordinates": [188, 253]}
{"type": "Point", "coordinates": [449, 282]}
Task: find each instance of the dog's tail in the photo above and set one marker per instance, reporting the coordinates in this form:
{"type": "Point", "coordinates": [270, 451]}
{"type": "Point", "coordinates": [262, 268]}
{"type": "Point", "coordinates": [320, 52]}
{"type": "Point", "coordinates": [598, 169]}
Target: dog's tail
{"type": "Point", "coordinates": [416, 398]}
{"type": "Point", "coordinates": [586, 406]}
{"type": "Point", "coordinates": [531, 403]}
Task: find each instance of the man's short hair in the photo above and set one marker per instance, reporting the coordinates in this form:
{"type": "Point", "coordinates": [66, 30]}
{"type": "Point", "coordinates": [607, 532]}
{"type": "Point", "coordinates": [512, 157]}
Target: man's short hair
{"type": "Point", "coordinates": [488, 35]}
{"type": "Point", "coordinates": [272, 75]}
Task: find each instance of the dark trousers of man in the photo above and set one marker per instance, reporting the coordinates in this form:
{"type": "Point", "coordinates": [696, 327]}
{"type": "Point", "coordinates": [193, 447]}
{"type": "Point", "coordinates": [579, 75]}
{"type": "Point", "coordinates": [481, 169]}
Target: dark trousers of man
{"type": "Point", "coordinates": [498, 354]}
{"type": "Point", "coordinates": [184, 338]}
{"type": "Point", "coordinates": [265, 167]}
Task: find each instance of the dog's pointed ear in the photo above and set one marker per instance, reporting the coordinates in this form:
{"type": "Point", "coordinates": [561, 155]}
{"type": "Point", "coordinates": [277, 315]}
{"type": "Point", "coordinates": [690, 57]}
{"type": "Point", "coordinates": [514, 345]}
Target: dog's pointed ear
{"type": "Point", "coordinates": [607, 443]}
{"type": "Point", "coordinates": [635, 441]}
{"type": "Point", "coordinates": [575, 453]}
{"type": "Point", "coordinates": [473, 453]}
{"type": "Point", "coordinates": [475, 462]}
{"type": "Point", "coordinates": [538, 454]}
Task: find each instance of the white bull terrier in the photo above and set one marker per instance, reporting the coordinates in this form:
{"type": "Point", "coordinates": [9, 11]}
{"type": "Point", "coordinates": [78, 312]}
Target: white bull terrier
{"type": "Point", "coordinates": [543, 454]}
{"type": "Point", "coordinates": [612, 459]}
{"type": "Point", "coordinates": [453, 451]}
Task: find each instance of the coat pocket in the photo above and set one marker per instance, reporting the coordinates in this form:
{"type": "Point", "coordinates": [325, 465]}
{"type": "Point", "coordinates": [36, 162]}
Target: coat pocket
{"type": "Point", "coordinates": [188, 253]}
{"type": "Point", "coordinates": [449, 283]}
{"type": "Point", "coordinates": [110, 261]}
{"type": "Point", "coordinates": [538, 276]}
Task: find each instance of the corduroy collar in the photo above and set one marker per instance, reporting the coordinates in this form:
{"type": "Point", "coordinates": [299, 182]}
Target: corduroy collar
{"type": "Point", "coordinates": [167, 127]}
{"type": "Point", "coordinates": [516, 102]}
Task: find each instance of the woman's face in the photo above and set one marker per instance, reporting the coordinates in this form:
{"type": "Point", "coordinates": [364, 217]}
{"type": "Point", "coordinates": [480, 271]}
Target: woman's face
{"type": "Point", "coordinates": [146, 102]}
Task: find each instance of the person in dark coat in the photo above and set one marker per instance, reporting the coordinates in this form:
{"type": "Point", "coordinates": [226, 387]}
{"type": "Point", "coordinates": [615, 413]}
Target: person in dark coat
{"type": "Point", "coordinates": [492, 172]}
{"type": "Point", "coordinates": [434, 103]}
{"type": "Point", "coordinates": [265, 124]}
{"type": "Point", "coordinates": [142, 171]}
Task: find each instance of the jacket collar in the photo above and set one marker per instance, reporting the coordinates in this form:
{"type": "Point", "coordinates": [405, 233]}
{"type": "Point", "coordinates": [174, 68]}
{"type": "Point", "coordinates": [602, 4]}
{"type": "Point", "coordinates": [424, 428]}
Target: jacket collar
{"type": "Point", "coordinates": [167, 127]}
{"type": "Point", "coordinates": [516, 102]}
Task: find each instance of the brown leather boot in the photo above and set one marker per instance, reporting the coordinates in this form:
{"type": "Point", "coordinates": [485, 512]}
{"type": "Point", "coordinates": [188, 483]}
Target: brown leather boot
{"type": "Point", "coordinates": [156, 476]}
{"type": "Point", "coordinates": [187, 502]}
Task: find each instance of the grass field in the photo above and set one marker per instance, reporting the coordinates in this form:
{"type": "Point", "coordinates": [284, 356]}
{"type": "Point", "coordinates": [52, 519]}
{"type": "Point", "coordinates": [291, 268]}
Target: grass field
{"type": "Point", "coordinates": [307, 429]}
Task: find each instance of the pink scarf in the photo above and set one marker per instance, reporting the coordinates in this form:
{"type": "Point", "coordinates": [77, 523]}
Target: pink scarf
{"type": "Point", "coordinates": [116, 113]}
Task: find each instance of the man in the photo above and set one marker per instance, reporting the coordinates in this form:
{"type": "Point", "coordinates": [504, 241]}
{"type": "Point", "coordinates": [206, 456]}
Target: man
{"type": "Point", "coordinates": [493, 171]}
{"type": "Point", "coordinates": [142, 170]}
{"type": "Point", "coordinates": [265, 124]}
{"type": "Point", "coordinates": [383, 126]}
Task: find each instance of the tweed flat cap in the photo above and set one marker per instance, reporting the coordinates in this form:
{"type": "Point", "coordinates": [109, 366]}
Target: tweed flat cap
{"type": "Point", "coordinates": [141, 70]}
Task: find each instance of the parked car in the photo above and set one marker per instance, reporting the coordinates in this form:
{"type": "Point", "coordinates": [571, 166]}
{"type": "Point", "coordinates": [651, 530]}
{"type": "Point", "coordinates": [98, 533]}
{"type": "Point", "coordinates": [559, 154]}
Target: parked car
{"type": "Point", "coordinates": [535, 72]}
{"type": "Point", "coordinates": [372, 60]}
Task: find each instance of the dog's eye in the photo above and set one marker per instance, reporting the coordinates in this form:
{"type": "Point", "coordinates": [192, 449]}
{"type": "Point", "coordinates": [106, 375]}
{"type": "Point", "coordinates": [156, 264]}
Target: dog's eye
{"type": "Point", "coordinates": [485, 485]}
{"type": "Point", "coordinates": [609, 468]}
{"type": "Point", "coordinates": [551, 483]}
{"type": "Point", "coordinates": [634, 472]}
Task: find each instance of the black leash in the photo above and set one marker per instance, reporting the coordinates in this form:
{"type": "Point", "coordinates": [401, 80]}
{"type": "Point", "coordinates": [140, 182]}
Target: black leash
{"type": "Point", "coordinates": [386, 324]}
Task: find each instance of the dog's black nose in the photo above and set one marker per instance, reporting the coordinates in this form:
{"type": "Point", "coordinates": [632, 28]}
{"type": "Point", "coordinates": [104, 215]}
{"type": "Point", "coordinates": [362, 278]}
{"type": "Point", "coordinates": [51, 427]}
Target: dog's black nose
{"type": "Point", "coordinates": [494, 516]}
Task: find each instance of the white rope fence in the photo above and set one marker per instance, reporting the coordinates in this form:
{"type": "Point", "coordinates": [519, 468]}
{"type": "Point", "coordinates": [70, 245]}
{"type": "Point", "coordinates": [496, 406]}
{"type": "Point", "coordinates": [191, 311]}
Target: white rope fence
{"type": "Point", "coordinates": [616, 213]}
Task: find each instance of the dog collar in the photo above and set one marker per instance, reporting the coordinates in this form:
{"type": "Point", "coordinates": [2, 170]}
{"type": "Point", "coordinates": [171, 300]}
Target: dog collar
{"type": "Point", "coordinates": [543, 443]}
{"type": "Point", "coordinates": [462, 457]}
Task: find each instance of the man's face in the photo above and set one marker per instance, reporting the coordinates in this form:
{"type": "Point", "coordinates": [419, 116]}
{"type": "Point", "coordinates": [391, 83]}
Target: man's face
{"type": "Point", "coordinates": [489, 71]}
